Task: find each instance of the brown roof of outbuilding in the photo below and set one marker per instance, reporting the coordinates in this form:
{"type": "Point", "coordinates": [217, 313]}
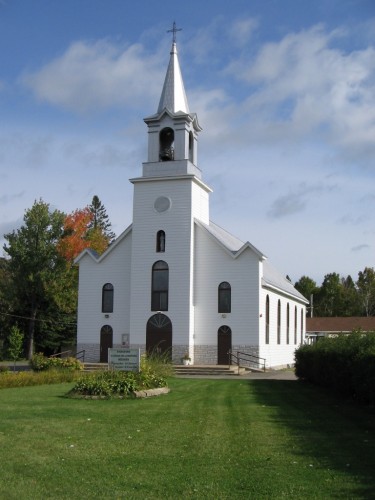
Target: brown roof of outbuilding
{"type": "Point", "coordinates": [348, 324]}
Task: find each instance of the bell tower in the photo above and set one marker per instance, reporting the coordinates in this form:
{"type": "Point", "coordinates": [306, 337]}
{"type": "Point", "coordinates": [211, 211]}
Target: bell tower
{"type": "Point", "coordinates": [169, 197]}
{"type": "Point", "coordinates": [172, 130]}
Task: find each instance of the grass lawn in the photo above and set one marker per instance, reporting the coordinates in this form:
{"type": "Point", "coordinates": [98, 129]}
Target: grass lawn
{"type": "Point", "coordinates": [216, 439]}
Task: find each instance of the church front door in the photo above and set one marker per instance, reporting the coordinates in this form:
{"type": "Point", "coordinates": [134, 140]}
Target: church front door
{"type": "Point", "coordinates": [106, 342]}
{"type": "Point", "coordinates": [224, 344]}
{"type": "Point", "coordinates": [159, 335]}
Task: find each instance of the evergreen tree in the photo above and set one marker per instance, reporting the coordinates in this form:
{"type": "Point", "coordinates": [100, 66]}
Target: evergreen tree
{"type": "Point", "coordinates": [100, 223]}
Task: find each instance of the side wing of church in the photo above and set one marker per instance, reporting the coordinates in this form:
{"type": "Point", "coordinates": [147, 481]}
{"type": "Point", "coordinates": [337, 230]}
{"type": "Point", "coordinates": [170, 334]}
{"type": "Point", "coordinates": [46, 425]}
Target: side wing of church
{"type": "Point", "coordinates": [174, 281]}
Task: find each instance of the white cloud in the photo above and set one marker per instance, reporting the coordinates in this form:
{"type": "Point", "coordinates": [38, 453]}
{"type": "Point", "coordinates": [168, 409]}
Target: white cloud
{"type": "Point", "coordinates": [89, 76]}
{"type": "Point", "coordinates": [304, 84]}
{"type": "Point", "coordinates": [241, 30]}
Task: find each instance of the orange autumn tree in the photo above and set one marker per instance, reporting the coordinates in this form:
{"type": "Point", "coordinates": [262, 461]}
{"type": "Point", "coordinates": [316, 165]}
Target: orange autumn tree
{"type": "Point", "coordinates": [74, 241]}
{"type": "Point", "coordinates": [88, 227]}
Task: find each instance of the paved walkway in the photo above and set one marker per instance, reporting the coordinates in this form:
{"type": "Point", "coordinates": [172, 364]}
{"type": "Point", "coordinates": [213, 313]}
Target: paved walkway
{"type": "Point", "coordinates": [270, 375]}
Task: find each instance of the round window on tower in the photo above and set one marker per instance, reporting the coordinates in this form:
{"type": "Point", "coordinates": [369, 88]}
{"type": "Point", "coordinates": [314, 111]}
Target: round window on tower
{"type": "Point", "coordinates": [162, 204]}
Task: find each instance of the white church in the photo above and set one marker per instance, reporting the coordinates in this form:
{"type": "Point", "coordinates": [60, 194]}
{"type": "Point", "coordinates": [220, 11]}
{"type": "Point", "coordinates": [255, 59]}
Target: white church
{"type": "Point", "coordinates": [176, 282]}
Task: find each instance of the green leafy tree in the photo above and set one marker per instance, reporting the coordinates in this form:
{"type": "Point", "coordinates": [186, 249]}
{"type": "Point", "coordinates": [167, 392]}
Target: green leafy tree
{"type": "Point", "coordinates": [15, 344]}
{"type": "Point", "coordinates": [366, 290]}
{"type": "Point", "coordinates": [329, 298]}
{"type": "Point", "coordinates": [350, 298]}
{"type": "Point", "coordinates": [307, 287]}
{"type": "Point", "coordinates": [37, 270]}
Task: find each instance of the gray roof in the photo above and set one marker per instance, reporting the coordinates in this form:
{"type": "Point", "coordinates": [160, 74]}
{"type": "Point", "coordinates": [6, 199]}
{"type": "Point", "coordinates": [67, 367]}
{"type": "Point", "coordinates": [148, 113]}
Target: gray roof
{"type": "Point", "coordinates": [271, 277]}
{"type": "Point", "coordinates": [231, 242]}
{"type": "Point", "coordinates": [274, 279]}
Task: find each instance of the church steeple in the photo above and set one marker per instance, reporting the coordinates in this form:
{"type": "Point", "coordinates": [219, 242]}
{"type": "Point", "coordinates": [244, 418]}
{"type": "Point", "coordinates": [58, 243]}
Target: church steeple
{"type": "Point", "coordinates": [173, 96]}
{"type": "Point", "coordinates": [173, 130]}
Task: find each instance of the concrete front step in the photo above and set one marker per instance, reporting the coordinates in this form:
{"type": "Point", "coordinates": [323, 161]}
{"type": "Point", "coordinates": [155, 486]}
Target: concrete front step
{"type": "Point", "coordinates": [205, 370]}
{"type": "Point", "coordinates": [93, 367]}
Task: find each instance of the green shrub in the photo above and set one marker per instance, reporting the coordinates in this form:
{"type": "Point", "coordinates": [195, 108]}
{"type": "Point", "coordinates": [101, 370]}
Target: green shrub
{"type": "Point", "coordinates": [345, 364]}
{"type": "Point", "coordinates": [39, 362]}
{"type": "Point", "coordinates": [116, 383]}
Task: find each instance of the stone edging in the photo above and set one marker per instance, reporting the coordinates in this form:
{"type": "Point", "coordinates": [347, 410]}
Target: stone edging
{"type": "Point", "coordinates": [151, 392]}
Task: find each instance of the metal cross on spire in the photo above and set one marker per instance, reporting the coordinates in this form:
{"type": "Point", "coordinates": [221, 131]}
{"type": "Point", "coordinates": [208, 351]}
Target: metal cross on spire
{"type": "Point", "coordinates": [174, 31]}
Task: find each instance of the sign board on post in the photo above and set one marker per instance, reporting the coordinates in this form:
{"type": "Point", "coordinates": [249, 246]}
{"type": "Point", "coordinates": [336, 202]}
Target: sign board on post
{"type": "Point", "coordinates": [124, 359]}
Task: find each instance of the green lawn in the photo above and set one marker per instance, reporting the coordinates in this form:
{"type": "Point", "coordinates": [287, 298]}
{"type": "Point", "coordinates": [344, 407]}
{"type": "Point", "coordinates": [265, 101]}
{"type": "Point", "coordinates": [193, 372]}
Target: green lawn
{"type": "Point", "coordinates": [216, 439]}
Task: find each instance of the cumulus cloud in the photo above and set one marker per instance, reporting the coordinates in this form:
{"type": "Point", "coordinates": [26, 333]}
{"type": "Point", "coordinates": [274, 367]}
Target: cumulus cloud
{"type": "Point", "coordinates": [306, 83]}
{"type": "Point", "coordinates": [96, 75]}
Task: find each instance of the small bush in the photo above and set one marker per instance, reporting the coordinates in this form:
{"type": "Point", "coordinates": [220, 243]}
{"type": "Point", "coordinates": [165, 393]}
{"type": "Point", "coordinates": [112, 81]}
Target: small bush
{"type": "Point", "coordinates": [115, 384]}
{"type": "Point", "coordinates": [39, 363]}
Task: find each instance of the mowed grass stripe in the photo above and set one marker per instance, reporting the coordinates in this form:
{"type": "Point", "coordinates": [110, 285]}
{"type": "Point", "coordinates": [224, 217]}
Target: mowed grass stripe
{"type": "Point", "coordinates": [206, 439]}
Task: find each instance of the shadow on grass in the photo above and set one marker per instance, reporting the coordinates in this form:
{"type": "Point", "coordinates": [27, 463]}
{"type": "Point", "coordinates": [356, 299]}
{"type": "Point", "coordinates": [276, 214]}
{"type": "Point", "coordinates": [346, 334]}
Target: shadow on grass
{"type": "Point", "coordinates": [338, 435]}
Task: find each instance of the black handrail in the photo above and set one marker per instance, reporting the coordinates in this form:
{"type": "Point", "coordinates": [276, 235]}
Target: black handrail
{"type": "Point", "coordinates": [59, 354]}
{"type": "Point", "coordinates": [80, 355]}
{"type": "Point", "coordinates": [244, 356]}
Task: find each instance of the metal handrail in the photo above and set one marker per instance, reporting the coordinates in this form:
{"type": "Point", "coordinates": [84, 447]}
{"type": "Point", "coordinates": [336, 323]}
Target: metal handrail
{"type": "Point", "coordinates": [240, 356]}
{"type": "Point", "coordinates": [80, 355]}
{"type": "Point", "coordinates": [59, 354]}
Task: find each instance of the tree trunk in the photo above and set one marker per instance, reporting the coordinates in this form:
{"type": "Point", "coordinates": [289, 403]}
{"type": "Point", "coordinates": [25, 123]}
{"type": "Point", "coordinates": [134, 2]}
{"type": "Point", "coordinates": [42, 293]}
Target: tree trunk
{"type": "Point", "coordinates": [30, 347]}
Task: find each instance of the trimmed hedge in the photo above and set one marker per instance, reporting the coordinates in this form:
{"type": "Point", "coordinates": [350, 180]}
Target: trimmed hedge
{"type": "Point", "coordinates": [344, 364]}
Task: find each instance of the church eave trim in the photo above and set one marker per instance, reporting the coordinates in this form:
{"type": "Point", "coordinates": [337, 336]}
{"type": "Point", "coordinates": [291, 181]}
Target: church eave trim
{"type": "Point", "coordinates": [98, 258]}
{"type": "Point", "coordinates": [194, 178]}
{"type": "Point", "coordinates": [179, 115]}
{"type": "Point", "coordinates": [230, 251]}
{"type": "Point", "coordinates": [295, 296]}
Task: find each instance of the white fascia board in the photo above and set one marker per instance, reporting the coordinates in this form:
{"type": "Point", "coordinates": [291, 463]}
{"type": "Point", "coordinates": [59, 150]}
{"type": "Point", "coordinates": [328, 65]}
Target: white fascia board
{"type": "Point", "coordinates": [89, 252]}
{"type": "Point", "coordinates": [172, 178]}
{"type": "Point", "coordinates": [251, 247]}
{"type": "Point", "coordinates": [283, 292]}
{"type": "Point", "coordinates": [190, 117]}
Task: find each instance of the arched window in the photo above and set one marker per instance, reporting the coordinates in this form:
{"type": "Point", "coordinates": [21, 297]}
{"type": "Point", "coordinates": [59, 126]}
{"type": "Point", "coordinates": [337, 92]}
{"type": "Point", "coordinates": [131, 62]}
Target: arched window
{"type": "Point", "coordinates": [224, 297]}
{"type": "Point", "coordinates": [287, 323]}
{"type": "Point", "coordinates": [159, 286]}
{"type": "Point", "coordinates": [107, 298]}
{"type": "Point", "coordinates": [166, 152]}
{"type": "Point", "coordinates": [279, 322]}
{"type": "Point", "coordinates": [160, 241]}
{"type": "Point", "coordinates": [295, 325]}
{"type": "Point", "coordinates": [191, 147]}
{"type": "Point", "coordinates": [267, 320]}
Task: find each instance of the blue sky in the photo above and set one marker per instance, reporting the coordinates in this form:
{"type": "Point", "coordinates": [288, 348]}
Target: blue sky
{"type": "Point", "coordinates": [284, 91]}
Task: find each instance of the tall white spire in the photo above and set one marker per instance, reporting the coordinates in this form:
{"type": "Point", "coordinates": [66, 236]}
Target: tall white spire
{"type": "Point", "coordinates": [173, 95]}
